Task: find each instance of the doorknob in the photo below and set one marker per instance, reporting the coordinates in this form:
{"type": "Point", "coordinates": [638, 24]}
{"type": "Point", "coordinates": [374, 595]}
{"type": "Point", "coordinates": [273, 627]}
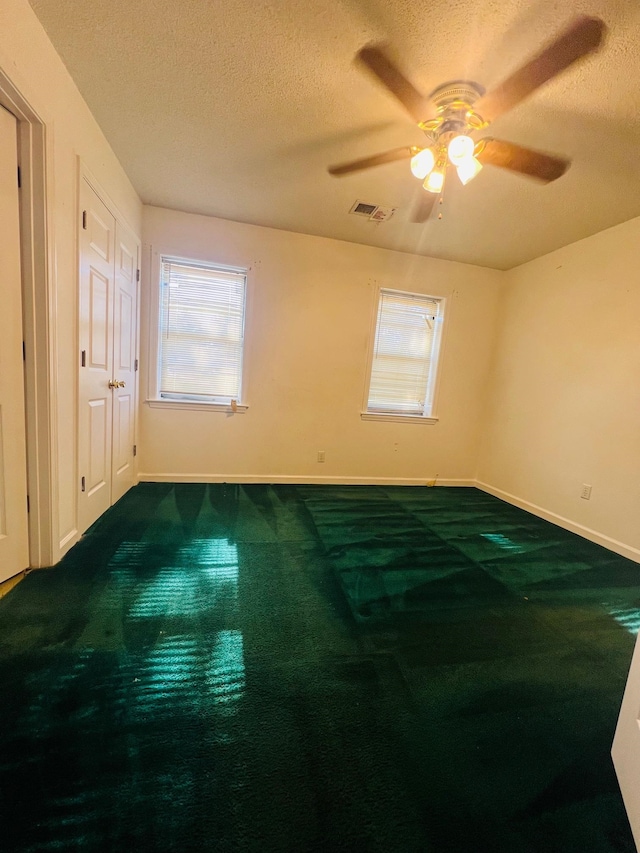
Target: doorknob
{"type": "Point", "coordinates": [113, 383]}
{"type": "Point", "coordinates": [121, 384]}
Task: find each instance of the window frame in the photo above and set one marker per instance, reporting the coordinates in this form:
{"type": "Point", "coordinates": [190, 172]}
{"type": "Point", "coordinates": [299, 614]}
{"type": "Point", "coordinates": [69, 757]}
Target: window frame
{"type": "Point", "coordinates": [154, 398]}
{"type": "Point", "coordinates": [367, 414]}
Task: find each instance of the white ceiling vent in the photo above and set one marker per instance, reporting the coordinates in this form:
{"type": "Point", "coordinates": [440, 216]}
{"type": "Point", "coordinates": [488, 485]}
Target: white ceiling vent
{"type": "Point", "coordinates": [374, 212]}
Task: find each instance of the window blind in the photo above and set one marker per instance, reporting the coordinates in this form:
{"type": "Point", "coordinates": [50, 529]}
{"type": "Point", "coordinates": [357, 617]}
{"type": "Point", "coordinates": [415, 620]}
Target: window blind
{"type": "Point", "coordinates": [201, 330]}
{"type": "Point", "coordinates": [405, 352]}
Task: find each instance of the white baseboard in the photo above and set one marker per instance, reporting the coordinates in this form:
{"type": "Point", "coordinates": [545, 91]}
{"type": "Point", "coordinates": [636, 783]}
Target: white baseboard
{"type": "Point", "coordinates": [300, 479]}
{"type": "Point", "coordinates": [304, 479]}
{"type": "Point", "coordinates": [586, 532]}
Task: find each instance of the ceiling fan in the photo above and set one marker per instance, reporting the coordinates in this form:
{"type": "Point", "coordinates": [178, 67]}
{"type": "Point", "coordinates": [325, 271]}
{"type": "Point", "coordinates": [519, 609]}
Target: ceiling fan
{"type": "Point", "coordinates": [455, 110]}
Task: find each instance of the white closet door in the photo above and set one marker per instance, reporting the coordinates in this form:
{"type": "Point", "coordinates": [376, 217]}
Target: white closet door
{"type": "Point", "coordinates": [97, 273]}
{"type": "Point", "coordinates": [124, 362]}
{"type": "Point", "coordinates": [626, 745]}
{"type": "Point", "coordinates": [14, 542]}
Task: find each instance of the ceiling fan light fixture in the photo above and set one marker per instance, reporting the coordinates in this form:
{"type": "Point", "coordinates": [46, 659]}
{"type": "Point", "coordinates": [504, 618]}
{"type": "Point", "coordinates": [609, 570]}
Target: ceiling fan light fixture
{"type": "Point", "coordinates": [460, 149]}
{"type": "Point", "coordinates": [468, 169]}
{"type": "Point", "coordinates": [435, 180]}
{"type": "Point", "coordinates": [422, 163]}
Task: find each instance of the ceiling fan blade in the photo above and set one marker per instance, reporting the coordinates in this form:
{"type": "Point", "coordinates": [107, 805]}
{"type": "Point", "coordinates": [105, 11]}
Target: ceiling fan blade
{"type": "Point", "coordinates": [375, 160]}
{"type": "Point", "coordinates": [425, 205]}
{"type": "Point", "coordinates": [584, 36]}
{"type": "Point", "coordinates": [379, 64]}
{"type": "Point", "coordinates": [507, 155]}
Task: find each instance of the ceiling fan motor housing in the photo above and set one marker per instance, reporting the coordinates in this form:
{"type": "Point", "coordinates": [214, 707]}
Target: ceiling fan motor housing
{"type": "Point", "coordinates": [454, 107]}
{"type": "Point", "coordinates": [457, 91]}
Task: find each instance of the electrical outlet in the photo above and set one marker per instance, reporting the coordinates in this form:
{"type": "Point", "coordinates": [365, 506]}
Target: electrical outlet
{"type": "Point", "coordinates": [321, 456]}
{"type": "Point", "coordinates": [585, 494]}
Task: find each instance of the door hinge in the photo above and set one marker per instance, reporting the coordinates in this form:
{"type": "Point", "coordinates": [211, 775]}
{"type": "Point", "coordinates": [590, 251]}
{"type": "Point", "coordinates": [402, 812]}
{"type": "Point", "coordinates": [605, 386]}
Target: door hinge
{"type": "Point", "coordinates": [19, 178]}
{"type": "Point", "coordinates": [84, 219]}
{"type": "Point", "coordinates": [135, 449]}
{"type": "Point", "coordinates": [28, 504]}
{"type": "Point", "coordinates": [83, 358]}
{"type": "Point", "coordinates": [137, 275]}
{"type": "Point", "coordinates": [135, 365]}
{"type": "Point", "coordinates": [24, 351]}
{"type": "Point", "coordinates": [83, 485]}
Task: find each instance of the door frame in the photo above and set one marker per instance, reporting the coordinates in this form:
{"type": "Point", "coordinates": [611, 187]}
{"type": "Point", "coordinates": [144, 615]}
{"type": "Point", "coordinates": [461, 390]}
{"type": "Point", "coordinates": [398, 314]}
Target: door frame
{"type": "Point", "coordinates": [35, 158]}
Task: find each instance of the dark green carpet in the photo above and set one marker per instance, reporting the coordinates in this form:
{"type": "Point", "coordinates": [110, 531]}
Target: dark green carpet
{"type": "Point", "coordinates": [308, 668]}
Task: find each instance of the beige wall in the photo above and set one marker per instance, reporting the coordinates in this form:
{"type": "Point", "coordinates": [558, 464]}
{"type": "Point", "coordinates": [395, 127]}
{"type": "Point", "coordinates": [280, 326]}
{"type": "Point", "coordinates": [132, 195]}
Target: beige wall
{"type": "Point", "coordinates": [28, 59]}
{"type": "Point", "coordinates": [561, 407]}
{"type": "Point", "coordinates": [310, 310]}
{"type": "Point", "coordinates": [564, 405]}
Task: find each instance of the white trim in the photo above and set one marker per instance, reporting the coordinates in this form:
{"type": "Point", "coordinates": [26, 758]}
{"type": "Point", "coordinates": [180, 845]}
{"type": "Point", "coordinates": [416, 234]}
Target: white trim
{"type": "Point", "coordinates": [396, 418]}
{"type": "Point", "coordinates": [195, 406]}
{"type": "Point", "coordinates": [586, 532]}
{"type": "Point", "coordinates": [153, 321]}
{"type": "Point", "coordinates": [439, 340]}
{"type": "Point", "coordinates": [302, 480]}
{"type": "Point", "coordinates": [84, 172]}
{"type": "Point", "coordinates": [39, 298]}
{"type": "Point", "coordinates": [156, 255]}
{"type": "Point", "coordinates": [371, 340]}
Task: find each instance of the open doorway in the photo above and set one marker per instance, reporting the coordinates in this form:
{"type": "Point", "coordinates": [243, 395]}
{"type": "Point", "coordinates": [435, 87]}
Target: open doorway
{"type": "Point", "coordinates": [14, 535]}
{"type": "Point", "coordinates": [37, 326]}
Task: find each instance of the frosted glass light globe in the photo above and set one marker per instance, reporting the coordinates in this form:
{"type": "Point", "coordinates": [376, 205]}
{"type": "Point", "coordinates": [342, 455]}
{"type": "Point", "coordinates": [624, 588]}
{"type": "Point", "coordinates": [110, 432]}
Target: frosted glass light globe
{"type": "Point", "coordinates": [468, 169]}
{"type": "Point", "coordinates": [422, 163]}
{"type": "Point", "coordinates": [435, 181]}
{"type": "Point", "coordinates": [460, 149]}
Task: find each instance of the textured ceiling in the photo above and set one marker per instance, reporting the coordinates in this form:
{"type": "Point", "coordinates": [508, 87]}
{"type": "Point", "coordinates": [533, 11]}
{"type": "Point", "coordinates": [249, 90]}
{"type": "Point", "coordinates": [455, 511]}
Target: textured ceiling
{"type": "Point", "coordinates": [234, 108]}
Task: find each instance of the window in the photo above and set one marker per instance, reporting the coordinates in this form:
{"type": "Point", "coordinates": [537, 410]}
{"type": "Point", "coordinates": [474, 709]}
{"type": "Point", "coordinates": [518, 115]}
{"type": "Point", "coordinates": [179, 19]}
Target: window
{"type": "Point", "coordinates": [201, 332]}
{"type": "Point", "coordinates": [405, 354]}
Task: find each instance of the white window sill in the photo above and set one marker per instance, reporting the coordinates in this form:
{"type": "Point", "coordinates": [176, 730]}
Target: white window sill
{"type": "Point", "coordinates": [195, 406]}
{"type": "Point", "coordinates": [396, 418]}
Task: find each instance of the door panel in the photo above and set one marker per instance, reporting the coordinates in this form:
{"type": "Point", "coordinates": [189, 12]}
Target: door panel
{"type": "Point", "coordinates": [122, 452]}
{"type": "Point", "coordinates": [125, 354]}
{"type": "Point", "coordinates": [100, 231]}
{"type": "Point", "coordinates": [98, 447]}
{"type": "Point", "coordinates": [97, 255]}
{"type": "Point", "coordinates": [124, 349]}
{"type": "Point", "coordinates": [98, 328]}
{"type": "Point", "coordinates": [14, 547]}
